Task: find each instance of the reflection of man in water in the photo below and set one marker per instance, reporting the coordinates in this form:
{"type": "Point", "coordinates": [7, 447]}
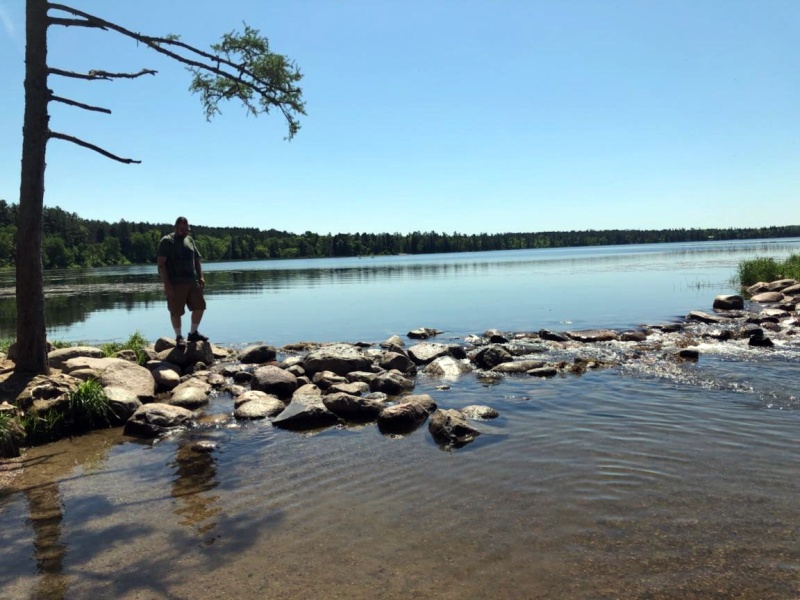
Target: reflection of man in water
{"type": "Point", "coordinates": [182, 274]}
{"type": "Point", "coordinates": [196, 474]}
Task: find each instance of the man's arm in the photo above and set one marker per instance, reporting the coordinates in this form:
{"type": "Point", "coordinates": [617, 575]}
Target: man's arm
{"type": "Point", "coordinates": [162, 272]}
{"type": "Point", "coordinates": [198, 268]}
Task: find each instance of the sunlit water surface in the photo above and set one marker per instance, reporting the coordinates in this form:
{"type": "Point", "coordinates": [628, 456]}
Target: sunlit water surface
{"type": "Point", "coordinates": [636, 482]}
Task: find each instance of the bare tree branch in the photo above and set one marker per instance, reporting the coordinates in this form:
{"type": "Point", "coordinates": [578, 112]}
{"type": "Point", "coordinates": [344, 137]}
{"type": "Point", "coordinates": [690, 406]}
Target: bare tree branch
{"type": "Point", "coordinates": [98, 149]}
{"type": "Point", "coordinates": [79, 104]}
{"type": "Point", "coordinates": [261, 87]}
{"type": "Point", "coordinates": [96, 74]}
{"type": "Point", "coordinates": [73, 22]}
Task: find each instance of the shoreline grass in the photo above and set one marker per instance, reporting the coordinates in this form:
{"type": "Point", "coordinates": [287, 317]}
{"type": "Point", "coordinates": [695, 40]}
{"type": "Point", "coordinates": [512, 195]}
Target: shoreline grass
{"type": "Point", "coordinates": [768, 269]}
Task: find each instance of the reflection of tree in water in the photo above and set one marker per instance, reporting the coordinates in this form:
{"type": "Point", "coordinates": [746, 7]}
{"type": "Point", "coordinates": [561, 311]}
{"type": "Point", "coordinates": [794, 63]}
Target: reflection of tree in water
{"type": "Point", "coordinates": [196, 471]}
{"type": "Point", "coordinates": [46, 516]}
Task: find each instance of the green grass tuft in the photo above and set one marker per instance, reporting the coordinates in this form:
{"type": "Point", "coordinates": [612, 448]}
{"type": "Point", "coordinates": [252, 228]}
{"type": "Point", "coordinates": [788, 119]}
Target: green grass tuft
{"type": "Point", "coordinates": [9, 445]}
{"type": "Point", "coordinates": [768, 269]}
{"type": "Point", "coordinates": [135, 342]}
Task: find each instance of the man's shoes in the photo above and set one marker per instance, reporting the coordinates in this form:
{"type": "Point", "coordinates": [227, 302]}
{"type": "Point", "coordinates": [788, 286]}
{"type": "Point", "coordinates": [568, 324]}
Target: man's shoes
{"type": "Point", "coordinates": [180, 342]}
{"type": "Point", "coordinates": [196, 336]}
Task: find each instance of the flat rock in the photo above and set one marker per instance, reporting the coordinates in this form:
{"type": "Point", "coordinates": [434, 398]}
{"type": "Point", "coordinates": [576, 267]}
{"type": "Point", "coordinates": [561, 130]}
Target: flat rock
{"type": "Point", "coordinates": [152, 420]}
{"type": "Point", "coordinates": [704, 317]}
{"type": "Point", "coordinates": [353, 408]}
{"type": "Point", "coordinates": [589, 336]}
{"type": "Point", "coordinates": [392, 383]}
{"type": "Point", "coordinates": [191, 397]}
{"type": "Point", "coordinates": [427, 352]}
{"type": "Point", "coordinates": [767, 297]}
{"type": "Point", "coordinates": [257, 405]}
{"type": "Point", "coordinates": [274, 380]}
{"type": "Point", "coordinates": [518, 366]}
{"type": "Point", "coordinates": [339, 358]}
{"type": "Point", "coordinates": [57, 358]}
{"type": "Point", "coordinates": [305, 413]}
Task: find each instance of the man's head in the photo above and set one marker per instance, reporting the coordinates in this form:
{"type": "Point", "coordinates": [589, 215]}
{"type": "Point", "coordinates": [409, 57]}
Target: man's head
{"type": "Point", "coordinates": [182, 227]}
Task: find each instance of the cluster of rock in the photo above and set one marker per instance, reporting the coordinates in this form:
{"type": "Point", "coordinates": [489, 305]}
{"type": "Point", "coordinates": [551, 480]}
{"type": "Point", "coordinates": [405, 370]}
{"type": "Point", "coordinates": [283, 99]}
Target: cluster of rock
{"type": "Point", "coordinates": [314, 386]}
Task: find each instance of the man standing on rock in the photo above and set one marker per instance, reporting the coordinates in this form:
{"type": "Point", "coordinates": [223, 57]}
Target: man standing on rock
{"type": "Point", "coordinates": [182, 274]}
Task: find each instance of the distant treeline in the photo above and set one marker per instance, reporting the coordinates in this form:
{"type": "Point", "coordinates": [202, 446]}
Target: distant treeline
{"type": "Point", "coordinates": [70, 241]}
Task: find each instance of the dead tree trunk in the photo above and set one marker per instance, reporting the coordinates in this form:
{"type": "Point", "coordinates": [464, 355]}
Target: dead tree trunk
{"type": "Point", "coordinates": [31, 354]}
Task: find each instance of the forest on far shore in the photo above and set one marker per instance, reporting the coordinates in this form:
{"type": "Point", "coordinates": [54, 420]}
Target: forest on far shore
{"type": "Point", "coordinates": [70, 241]}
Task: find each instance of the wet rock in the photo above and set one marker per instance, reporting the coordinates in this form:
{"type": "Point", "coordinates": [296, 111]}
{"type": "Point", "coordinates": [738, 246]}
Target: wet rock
{"type": "Point", "coordinates": [122, 404]}
{"type": "Point", "coordinates": [479, 412]}
{"type": "Point", "coordinates": [423, 333]}
{"type": "Point", "coordinates": [450, 428]}
{"type": "Point", "coordinates": [401, 418]}
{"type": "Point", "coordinates": [719, 334]}
{"type": "Point", "coordinates": [491, 356]}
{"type": "Point", "coordinates": [339, 358]}
{"type": "Point", "coordinates": [525, 348]}
{"type": "Point", "coordinates": [426, 401]}
{"type": "Point", "coordinates": [166, 375]}
{"type": "Point", "coordinates": [353, 408]}
{"type": "Point", "coordinates": [552, 336]}
{"type": "Point", "coordinates": [396, 360]}
{"type": "Point", "coordinates": [760, 341]}
{"type": "Point", "coordinates": [749, 330]}
{"type": "Point", "coordinates": [457, 351]}
{"type": "Point", "coordinates": [518, 366]}
{"type": "Point", "coordinates": [243, 377]}
{"type": "Point", "coordinates": [632, 336]}
{"type": "Point", "coordinates": [258, 354]}
{"type": "Point", "coordinates": [688, 354]}
{"type": "Point", "coordinates": [257, 405]}
{"type": "Point", "coordinates": [543, 372]}
{"type": "Point", "coordinates": [189, 355]}
{"type": "Point", "coordinates": [189, 397]}
{"type": "Point", "coordinates": [728, 302]}
{"type": "Point", "coordinates": [704, 317]}
{"type": "Point", "coordinates": [363, 376]}
{"type": "Point", "coordinates": [495, 337]}
{"type": "Point", "coordinates": [392, 383]}
{"type": "Point", "coordinates": [667, 327]}
{"type": "Point", "coordinates": [305, 413]}
{"type": "Point", "coordinates": [447, 367]}
{"type": "Point", "coordinates": [152, 420]}
{"type": "Point", "coordinates": [767, 297]}
{"type": "Point", "coordinates": [427, 352]}
{"type": "Point", "coordinates": [215, 380]}
{"type": "Point", "coordinates": [203, 447]}
{"type": "Point", "coordinates": [325, 379]}
{"type": "Point", "coordinates": [274, 380]}
{"type": "Point", "coordinates": [589, 336]}
{"type": "Point", "coordinates": [395, 340]}
{"type": "Point", "coordinates": [354, 389]}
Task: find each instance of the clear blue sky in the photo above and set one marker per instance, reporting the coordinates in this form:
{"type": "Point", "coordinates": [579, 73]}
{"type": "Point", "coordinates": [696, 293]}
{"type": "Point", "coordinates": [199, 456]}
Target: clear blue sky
{"type": "Point", "coordinates": [457, 115]}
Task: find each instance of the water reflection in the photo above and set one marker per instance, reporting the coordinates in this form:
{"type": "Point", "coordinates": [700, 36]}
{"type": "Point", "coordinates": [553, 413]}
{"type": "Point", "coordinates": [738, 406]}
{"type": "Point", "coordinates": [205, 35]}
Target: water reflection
{"type": "Point", "coordinates": [46, 516]}
{"type": "Point", "coordinates": [196, 475]}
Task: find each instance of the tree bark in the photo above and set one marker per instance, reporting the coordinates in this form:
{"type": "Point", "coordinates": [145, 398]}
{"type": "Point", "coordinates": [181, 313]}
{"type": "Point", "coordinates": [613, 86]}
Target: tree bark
{"type": "Point", "coordinates": [31, 352]}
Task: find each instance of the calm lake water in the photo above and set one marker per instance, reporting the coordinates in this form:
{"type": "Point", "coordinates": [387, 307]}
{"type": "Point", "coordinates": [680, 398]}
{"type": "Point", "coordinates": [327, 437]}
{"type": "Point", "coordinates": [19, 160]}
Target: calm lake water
{"type": "Point", "coordinates": [648, 482]}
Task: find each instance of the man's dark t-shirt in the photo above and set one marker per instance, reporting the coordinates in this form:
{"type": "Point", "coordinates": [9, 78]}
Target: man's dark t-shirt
{"type": "Point", "coordinates": [180, 254]}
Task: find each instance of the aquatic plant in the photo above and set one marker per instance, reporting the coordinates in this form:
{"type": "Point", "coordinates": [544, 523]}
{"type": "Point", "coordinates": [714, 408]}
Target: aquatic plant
{"type": "Point", "coordinates": [768, 269]}
{"type": "Point", "coordinates": [9, 436]}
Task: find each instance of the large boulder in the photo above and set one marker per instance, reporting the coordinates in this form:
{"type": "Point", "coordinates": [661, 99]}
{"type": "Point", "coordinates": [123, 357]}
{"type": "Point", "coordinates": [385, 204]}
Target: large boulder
{"type": "Point", "coordinates": [257, 405]}
{"type": "Point", "coordinates": [57, 358]}
{"type": "Point", "coordinates": [188, 355]}
{"type": "Point", "coordinates": [491, 356]}
{"type": "Point", "coordinates": [152, 420]}
{"type": "Point", "coordinates": [115, 372]}
{"type": "Point", "coordinates": [191, 397]}
{"type": "Point", "coordinates": [427, 352]}
{"type": "Point", "coordinates": [274, 380]}
{"type": "Point", "coordinates": [122, 404]}
{"type": "Point", "coordinates": [392, 383]}
{"type": "Point", "coordinates": [396, 360]}
{"type": "Point", "coordinates": [258, 354]}
{"type": "Point", "coordinates": [447, 367]}
{"type": "Point", "coordinates": [353, 408]}
{"type": "Point", "coordinates": [450, 428]}
{"type": "Point", "coordinates": [339, 358]}
{"type": "Point", "coordinates": [402, 418]}
{"type": "Point", "coordinates": [304, 413]}
{"type": "Point", "coordinates": [728, 302]}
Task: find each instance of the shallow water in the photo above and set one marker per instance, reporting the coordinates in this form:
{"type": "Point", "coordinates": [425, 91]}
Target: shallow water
{"type": "Point", "coordinates": [652, 480]}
